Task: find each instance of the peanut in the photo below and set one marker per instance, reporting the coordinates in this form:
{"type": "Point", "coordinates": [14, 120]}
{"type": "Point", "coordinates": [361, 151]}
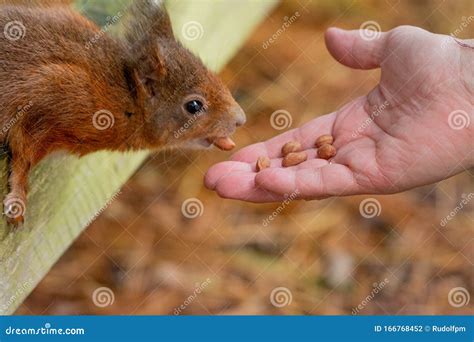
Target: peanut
{"type": "Point", "coordinates": [294, 158]}
{"type": "Point", "coordinates": [290, 147]}
{"type": "Point", "coordinates": [263, 163]}
{"type": "Point", "coordinates": [324, 140]}
{"type": "Point", "coordinates": [224, 143]}
{"type": "Point", "coordinates": [326, 151]}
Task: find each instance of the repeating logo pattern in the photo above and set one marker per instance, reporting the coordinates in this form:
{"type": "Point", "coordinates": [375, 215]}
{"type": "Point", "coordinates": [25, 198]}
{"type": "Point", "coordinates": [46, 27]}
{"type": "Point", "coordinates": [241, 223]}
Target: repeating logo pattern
{"type": "Point", "coordinates": [458, 297]}
{"type": "Point", "coordinates": [103, 296]}
{"type": "Point", "coordinates": [370, 208]}
{"type": "Point", "coordinates": [192, 208]}
{"type": "Point", "coordinates": [192, 30]}
{"type": "Point", "coordinates": [14, 30]}
{"type": "Point", "coordinates": [103, 119]}
{"type": "Point", "coordinates": [281, 119]}
{"type": "Point", "coordinates": [281, 297]}
{"type": "Point", "coordinates": [459, 119]}
{"type": "Point", "coordinates": [370, 30]}
{"type": "Point", "coordinates": [14, 207]}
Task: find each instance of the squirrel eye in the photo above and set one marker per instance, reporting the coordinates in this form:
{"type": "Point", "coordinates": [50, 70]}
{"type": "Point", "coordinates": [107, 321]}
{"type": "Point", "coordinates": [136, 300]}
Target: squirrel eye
{"type": "Point", "coordinates": [194, 106]}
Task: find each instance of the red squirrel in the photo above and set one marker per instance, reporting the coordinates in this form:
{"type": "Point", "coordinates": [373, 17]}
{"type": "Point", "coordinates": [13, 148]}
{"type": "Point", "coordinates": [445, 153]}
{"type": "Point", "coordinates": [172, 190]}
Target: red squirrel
{"type": "Point", "coordinates": [67, 85]}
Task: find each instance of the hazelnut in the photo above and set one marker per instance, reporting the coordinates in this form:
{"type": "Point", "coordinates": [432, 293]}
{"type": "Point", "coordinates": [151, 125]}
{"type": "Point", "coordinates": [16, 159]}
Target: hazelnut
{"type": "Point", "coordinates": [324, 140]}
{"type": "Point", "coordinates": [289, 147]}
{"type": "Point", "coordinates": [326, 151]}
{"type": "Point", "coordinates": [263, 163]}
{"type": "Point", "coordinates": [294, 158]}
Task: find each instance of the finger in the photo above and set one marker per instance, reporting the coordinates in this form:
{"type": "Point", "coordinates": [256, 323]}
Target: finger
{"type": "Point", "coordinates": [309, 183]}
{"type": "Point", "coordinates": [306, 135]}
{"type": "Point", "coordinates": [358, 49]}
{"type": "Point", "coordinates": [241, 186]}
{"type": "Point", "coordinates": [216, 172]}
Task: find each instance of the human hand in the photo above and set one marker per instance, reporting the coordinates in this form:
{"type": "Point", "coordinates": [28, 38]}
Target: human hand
{"type": "Point", "coordinates": [412, 129]}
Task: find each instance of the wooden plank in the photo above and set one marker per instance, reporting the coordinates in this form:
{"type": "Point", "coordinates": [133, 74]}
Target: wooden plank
{"type": "Point", "coordinates": [67, 193]}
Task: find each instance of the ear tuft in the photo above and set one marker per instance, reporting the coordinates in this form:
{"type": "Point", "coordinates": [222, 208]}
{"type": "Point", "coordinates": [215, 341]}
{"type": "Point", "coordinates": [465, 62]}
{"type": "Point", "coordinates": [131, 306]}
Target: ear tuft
{"type": "Point", "coordinates": [148, 26]}
{"type": "Point", "coordinates": [157, 3]}
{"type": "Point", "coordinates": [148, 20]}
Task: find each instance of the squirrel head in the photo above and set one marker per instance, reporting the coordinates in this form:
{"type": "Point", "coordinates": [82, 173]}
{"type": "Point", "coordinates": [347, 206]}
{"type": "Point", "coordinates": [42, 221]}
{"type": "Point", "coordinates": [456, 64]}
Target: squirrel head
{"type": "Point", "coordinates": [183, 102]}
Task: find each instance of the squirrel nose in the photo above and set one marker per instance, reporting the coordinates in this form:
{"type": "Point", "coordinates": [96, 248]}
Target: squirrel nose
{"type": "Point", "coordinates": [239, 116]}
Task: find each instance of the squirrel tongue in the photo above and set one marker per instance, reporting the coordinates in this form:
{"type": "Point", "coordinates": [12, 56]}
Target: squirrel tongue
{"type": "Point", "coordinates": [225, 143]}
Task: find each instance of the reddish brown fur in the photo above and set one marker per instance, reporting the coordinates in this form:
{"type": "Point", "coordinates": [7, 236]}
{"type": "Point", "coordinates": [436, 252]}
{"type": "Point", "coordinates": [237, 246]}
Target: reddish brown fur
{"type": "Point", "coordinates": [53, 81]}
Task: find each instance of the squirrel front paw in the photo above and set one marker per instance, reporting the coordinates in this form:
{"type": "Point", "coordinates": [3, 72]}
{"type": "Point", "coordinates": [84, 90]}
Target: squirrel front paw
{"type": "Point", "coordinates": [14, 207]}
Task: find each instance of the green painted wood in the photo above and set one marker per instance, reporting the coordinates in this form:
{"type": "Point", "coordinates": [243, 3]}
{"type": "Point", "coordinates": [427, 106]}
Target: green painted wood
{"type": "Point", "coordinates": [68, 193]}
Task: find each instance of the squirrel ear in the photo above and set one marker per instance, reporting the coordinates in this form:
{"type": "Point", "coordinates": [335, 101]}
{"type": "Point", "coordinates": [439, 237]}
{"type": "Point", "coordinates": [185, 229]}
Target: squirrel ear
{"type": "Point", "coordinates": [162, 22]}
{"type": "Point", "coordinates": [153, 64]}
{"type": "Point", "coordinates": [157, 63]}
{"type": "Point", "coordinates": [149, 26]}
{"type": "Point", "coordinates": [145, 73]}
{"type": "Point", "coordinates": [134, 83]}
{"type": "Point", "coordinates": [143, 87]}
{"type": "Point", "coordinates": [149, 19]}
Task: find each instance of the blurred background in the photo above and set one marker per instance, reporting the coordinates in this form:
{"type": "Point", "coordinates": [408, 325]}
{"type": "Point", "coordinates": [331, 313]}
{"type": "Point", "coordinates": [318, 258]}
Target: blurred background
{"type": "Point", "coordinates": [148, 256]}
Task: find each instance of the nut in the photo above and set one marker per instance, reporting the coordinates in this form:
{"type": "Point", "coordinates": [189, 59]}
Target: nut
{"type": "Point", "coordinates": [263, 163]}
{"type": "Point", "coordinates": [224, 143]}
{"type": "Point", "coordinates": [326, 151]}
{"type": "Point", "coordinates": [289, 147]}
{"type": "Point", "coordinates": [324, 139]}
{"type": "Point", "coordinates": [294, 158]}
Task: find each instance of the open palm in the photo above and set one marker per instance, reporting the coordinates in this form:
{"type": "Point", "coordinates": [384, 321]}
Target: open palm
{"type": "Point", "coordinates": [412, 129]}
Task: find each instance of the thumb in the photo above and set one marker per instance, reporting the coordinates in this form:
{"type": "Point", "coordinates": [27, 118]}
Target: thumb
{"type": "Point", "coordinates": [358, 49]}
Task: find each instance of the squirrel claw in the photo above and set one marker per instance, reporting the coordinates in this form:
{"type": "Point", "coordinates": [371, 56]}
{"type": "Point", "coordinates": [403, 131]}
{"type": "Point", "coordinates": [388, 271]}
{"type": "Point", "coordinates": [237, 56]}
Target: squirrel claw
{"type": "Point", "coordinates": [16, 221]}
